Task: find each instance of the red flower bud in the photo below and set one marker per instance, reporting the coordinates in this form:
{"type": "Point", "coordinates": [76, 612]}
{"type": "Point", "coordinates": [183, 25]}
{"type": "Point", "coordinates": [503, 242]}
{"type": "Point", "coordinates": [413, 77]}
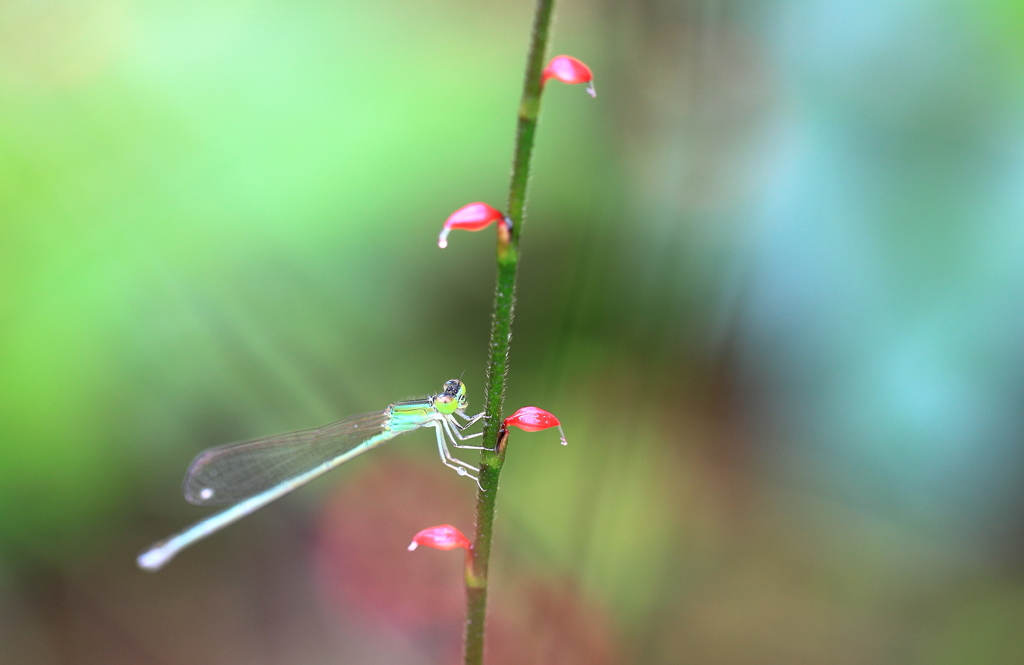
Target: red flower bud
{"type": "Point", "coordinates": [472, 217]}
{"type": "Point", "coordinates": [568, 69]}
{"type": "Point", "coordinates": [533, 419]}
{"type": "Point", "coordinates": [441, 537]}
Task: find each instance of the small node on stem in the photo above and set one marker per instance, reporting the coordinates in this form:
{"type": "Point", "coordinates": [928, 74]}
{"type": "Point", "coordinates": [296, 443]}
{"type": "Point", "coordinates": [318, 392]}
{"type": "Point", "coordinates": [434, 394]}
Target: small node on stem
{"type": "Point", "coordinates": [502, 440]}
{"type": "Point", "coordinates": [568, 69]}
{"type": "Point", "coordinates": [534, 419]}
{"type": "Point", "coordinates": [472, 217]}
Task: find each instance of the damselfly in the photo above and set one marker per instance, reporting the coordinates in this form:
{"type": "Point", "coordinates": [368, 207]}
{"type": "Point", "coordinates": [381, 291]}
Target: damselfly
{"type": "Point", "coordinates": [251, 474]}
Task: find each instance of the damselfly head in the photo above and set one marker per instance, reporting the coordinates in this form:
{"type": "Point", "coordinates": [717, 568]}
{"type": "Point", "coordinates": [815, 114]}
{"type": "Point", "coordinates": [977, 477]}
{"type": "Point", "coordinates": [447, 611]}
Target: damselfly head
{"type": "Point", "coordinates": [455, 388]}
{"type": "Point", "coordinates": [454, 393]}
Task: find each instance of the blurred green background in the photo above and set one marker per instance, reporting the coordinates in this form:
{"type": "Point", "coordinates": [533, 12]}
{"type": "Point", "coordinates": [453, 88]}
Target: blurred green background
{"type": "Point", "coordinates": [772, 283]}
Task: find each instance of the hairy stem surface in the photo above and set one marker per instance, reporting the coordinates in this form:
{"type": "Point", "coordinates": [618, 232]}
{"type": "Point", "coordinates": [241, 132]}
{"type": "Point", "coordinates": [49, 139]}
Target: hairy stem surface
{"type": "Point", "coordinates": [501, 334]}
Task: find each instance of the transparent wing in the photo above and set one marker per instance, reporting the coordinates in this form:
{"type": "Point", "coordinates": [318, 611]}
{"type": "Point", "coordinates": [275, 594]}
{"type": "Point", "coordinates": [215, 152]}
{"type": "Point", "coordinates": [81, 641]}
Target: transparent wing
{"type": "Point", "coordinates": [232, 473]}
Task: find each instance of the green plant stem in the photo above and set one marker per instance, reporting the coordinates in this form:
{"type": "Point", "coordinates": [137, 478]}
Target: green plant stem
{"type": "Point", "coordinates": [492, 460]}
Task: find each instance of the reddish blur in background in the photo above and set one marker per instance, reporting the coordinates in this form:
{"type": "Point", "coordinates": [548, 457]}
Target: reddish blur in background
{"type": "Point", "coordinates": [772, 284]}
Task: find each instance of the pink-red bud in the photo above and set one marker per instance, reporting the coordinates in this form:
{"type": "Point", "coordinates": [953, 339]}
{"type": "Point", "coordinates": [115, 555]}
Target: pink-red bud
{"type": "Point", "coordinates": [472, 217]}
{"type": "Point", "coordinates": [568, 69]}
{"type": "Point", "coordinates": [533, 419]}
{"type": "Point", "coordinates": [441, 537]}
